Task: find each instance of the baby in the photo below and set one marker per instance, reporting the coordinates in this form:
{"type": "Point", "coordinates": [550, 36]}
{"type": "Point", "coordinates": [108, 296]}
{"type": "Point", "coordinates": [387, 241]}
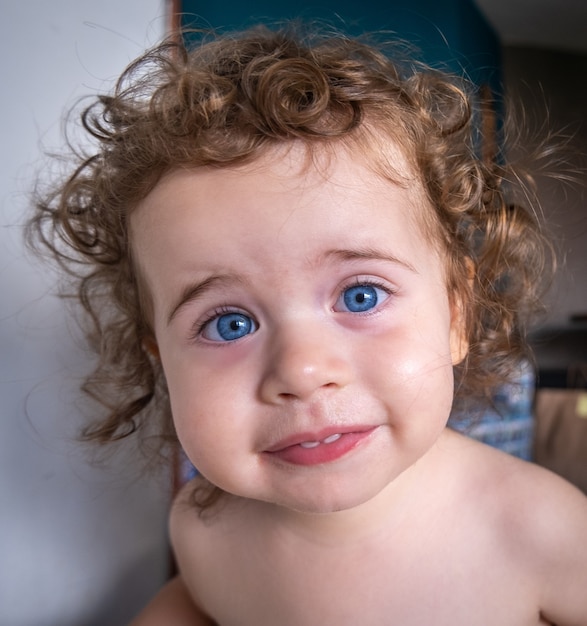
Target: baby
{"type": "Point", "coordinates": [289, 246]}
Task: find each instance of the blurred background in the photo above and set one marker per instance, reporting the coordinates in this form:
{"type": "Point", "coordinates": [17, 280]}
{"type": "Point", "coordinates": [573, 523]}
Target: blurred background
{"type": "Point", "coordinates": [85, 544]}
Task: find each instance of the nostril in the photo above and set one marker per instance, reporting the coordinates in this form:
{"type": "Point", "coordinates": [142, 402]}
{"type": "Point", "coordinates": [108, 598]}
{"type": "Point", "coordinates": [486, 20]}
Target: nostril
{"type": "Point", "coordinates": [298, 370]}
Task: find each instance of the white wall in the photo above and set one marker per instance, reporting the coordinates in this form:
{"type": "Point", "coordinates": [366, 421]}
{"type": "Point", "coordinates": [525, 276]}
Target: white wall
{"type": "Point", "coordinates": [78, 545]}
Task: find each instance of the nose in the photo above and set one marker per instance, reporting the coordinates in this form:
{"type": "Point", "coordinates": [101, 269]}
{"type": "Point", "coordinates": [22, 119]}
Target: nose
{"type": "Point", "coordinates": [302, 363]}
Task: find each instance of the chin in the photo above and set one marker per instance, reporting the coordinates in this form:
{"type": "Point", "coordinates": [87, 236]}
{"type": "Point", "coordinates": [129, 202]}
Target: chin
{"type": "Point", "coordinates": [313, 499]}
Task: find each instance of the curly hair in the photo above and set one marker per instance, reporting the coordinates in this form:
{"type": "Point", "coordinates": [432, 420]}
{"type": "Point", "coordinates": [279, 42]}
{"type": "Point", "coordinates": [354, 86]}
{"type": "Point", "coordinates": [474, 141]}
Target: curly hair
{"type": "Point", "coordinates": [227, 100]}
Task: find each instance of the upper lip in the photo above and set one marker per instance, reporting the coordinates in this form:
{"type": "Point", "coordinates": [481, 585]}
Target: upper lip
{"type": "Point", "coordinates": [320, 435]}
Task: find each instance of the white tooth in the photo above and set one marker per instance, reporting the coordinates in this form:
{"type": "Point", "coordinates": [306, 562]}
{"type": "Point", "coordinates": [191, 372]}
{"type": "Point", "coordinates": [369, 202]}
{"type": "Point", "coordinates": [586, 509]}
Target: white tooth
{"type": "Point", "coordinates": [332, 438]}
{"type": "Point", "coordinates": [309, 444]}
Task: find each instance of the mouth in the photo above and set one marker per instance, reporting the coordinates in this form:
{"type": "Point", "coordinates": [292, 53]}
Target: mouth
{"type": "Point", "coordinates": [318, 448]}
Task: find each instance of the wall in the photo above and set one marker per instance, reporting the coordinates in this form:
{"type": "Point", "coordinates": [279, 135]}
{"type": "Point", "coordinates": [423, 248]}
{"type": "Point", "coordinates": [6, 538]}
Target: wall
{"type": "Point", "coordinates": [550, 88]}
{"type": "Point", "coordinates": [450, 34]}
{"type": "Point", "coordinates": [79, 544]}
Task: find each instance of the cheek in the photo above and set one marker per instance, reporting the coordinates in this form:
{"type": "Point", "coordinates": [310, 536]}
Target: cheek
{"type": "Point", "coordinates": [414, 372]}
{"type": "Point", "coordinates": [188, 398]}
{"type": "Point", "coordinates": [419, 343]}
{"type": "Point", "coordinates": [207, 409]}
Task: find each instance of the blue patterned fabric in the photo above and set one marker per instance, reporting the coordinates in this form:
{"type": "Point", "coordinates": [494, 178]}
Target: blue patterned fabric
{"type": "Point", "coordinates": [509, 424]}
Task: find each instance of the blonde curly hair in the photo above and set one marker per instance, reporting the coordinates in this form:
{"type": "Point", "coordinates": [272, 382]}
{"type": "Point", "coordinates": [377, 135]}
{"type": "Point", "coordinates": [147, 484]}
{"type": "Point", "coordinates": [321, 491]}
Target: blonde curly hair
{"type": "Point", "coordinates": [227, 100]}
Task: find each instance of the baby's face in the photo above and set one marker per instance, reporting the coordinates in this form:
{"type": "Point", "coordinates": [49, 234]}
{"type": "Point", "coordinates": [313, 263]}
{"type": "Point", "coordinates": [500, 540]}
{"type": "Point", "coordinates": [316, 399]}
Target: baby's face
{"type": "Point", "coordinates": [303, 325]}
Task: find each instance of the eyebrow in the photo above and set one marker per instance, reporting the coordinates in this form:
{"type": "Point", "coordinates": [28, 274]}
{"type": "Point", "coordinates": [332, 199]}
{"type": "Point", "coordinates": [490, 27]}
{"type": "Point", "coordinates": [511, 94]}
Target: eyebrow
{"type": "Point", "coordinates": [368, 253]}
{"type": "Point", "coordinates": [192, 292]}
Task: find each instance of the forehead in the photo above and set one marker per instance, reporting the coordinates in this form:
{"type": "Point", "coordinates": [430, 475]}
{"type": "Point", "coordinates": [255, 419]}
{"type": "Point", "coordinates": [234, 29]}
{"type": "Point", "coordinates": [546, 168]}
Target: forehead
{"type": "Point", "coordinates": [296, 167]}
{"type": "Point", "coordinates": [293, 202]}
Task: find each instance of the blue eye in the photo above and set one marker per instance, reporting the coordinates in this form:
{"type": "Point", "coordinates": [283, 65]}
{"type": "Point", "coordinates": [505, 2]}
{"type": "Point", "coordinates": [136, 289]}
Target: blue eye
{"type": "Point", "coordinates": [229, 327]}
{"type": "Point", "coordinates": [361, 298]}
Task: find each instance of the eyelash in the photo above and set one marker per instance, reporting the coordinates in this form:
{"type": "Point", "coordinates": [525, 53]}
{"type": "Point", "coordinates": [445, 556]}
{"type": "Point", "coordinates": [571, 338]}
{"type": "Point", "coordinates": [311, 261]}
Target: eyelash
{"type": "Point", "coordinates": [199, 326]}
{"type": "Point", "coordinates": [369, 282]}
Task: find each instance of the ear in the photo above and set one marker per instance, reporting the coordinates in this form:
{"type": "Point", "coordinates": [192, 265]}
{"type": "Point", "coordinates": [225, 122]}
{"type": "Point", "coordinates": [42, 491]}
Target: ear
{"type": "Point", "coordinates": [459, 342]}
{"type": "Point", "coordinates": [459, 336]}
{"type": "Point", "coordinates": [459, 326]}
{"type": "Point", "coordinates": [150, 345]}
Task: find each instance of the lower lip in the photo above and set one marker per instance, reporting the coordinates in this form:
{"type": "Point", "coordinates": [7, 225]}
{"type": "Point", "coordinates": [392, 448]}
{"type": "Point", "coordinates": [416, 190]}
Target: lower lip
{"type": "Point", "coordinates": [323, 453]}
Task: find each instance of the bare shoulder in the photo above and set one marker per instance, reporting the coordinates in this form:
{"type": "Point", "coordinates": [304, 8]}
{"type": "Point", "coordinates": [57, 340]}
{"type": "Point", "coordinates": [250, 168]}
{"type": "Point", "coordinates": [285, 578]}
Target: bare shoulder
{"type": "Point", "coordinates": [191, 524]}
{"type": "Point", "coordinates": [172, 606]}
{"type": "Point", "coordinates": [523, 495]}
{"type": "Point", "coordinates": [540, 520]}
{"type": "Point", "coordinates": [206, 543]}
{"type": "Point", "coordinates": [551, 519]}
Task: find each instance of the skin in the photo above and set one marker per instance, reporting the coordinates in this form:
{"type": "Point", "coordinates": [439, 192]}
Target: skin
{"type": "Point", "coordinates": [399, 520]}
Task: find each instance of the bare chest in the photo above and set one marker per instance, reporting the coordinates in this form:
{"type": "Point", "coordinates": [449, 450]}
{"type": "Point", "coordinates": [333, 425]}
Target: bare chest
{"type": "Point", "coordinates": [409, 586]}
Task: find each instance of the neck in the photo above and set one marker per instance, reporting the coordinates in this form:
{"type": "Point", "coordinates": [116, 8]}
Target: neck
{"type": "Point", "coordinates": [385, 513]}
